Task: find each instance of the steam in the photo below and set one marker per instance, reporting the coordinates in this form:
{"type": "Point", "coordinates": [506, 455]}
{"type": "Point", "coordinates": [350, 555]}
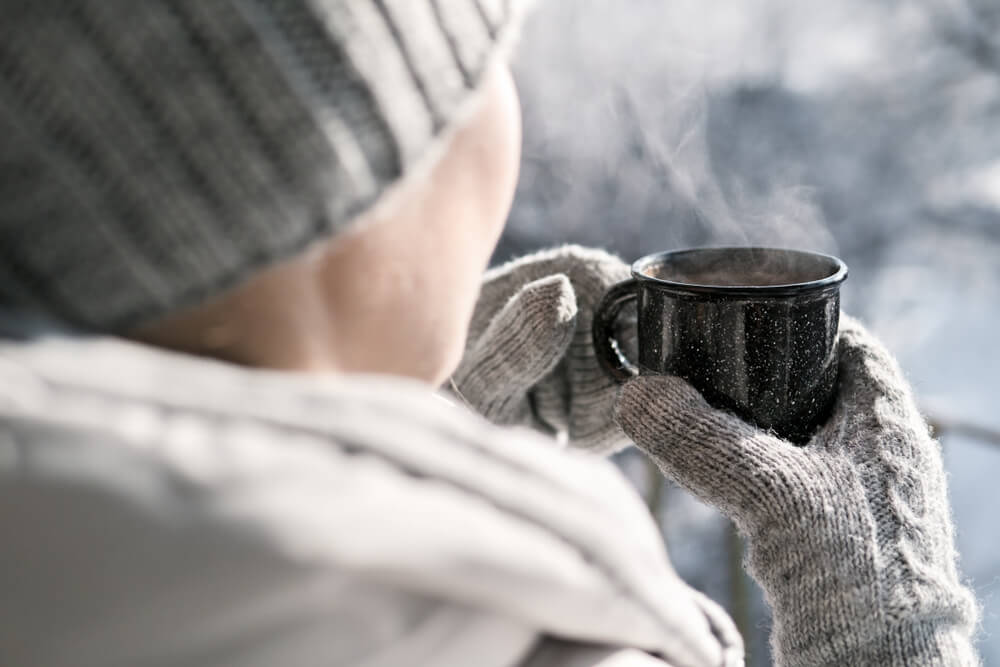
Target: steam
{"type": "Point", "coordinates": [635, 140]}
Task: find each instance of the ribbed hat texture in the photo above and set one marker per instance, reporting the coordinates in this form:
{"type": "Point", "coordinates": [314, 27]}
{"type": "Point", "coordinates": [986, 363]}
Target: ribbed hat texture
{"type": "Point", "coordinates": [155, 152]}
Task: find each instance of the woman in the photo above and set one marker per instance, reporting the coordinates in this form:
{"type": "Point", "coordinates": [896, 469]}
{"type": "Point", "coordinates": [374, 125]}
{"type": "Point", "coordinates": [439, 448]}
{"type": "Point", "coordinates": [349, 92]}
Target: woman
{"type": "Point", "coordinates": [242, 245]}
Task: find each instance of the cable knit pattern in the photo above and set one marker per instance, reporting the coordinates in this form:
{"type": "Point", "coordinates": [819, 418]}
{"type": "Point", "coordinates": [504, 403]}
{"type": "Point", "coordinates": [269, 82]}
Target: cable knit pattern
{"type": "Point", "coordinates": [851, 536]}
{"type": "Point", "coordinates": [530, 358]}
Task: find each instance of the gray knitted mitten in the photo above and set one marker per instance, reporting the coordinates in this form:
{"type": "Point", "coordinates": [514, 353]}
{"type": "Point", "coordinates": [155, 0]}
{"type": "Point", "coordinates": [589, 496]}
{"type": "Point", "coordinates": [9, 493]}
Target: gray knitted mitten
{"type": "Point", "coordinates": [529, 357]}
{"type": "Point", "coordinates": [850, 536]}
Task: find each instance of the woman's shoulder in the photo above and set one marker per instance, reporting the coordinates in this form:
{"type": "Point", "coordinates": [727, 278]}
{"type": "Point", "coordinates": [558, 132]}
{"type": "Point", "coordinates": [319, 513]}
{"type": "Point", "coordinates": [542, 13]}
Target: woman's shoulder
{"type": "Point", "coordinates": [377, 476]}
{"type": "Point", "coordinates": [142, 491]}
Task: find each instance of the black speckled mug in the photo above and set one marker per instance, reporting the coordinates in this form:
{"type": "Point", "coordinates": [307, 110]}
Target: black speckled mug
{"type": "Point", "coordinates": [753, 329]}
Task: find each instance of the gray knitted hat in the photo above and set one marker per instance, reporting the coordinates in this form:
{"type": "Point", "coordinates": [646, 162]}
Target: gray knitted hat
{"type": "Point", "coordinates": [155, 152]}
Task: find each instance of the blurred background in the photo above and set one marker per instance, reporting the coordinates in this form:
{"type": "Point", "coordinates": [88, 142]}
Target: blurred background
{"type": "Point", "coordinates": [869, 129]}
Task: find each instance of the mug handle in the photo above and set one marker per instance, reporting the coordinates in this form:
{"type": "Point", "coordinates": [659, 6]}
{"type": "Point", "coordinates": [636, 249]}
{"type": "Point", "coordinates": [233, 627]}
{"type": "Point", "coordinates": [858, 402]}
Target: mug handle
{"type": "Point", "coordinates": [608, 351]}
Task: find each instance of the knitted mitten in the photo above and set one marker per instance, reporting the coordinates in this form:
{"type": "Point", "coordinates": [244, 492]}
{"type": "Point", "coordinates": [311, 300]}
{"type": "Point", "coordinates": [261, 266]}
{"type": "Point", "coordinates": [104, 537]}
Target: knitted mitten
{"type": "Point", "coordinates": [850, 536]}
{"type": "Point", "coordinates": [529, 357]}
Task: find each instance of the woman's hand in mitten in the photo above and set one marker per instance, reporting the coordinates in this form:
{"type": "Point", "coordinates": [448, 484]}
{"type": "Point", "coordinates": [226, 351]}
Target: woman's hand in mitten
{"type": "Point", "coordinates": [529, 358]}
{"type": "Point", "coordinates": [850, 536]}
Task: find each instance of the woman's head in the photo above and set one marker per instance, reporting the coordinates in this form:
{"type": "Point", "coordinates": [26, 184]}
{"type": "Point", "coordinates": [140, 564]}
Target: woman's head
{"type": "Point", "coordinates": [169, 156]}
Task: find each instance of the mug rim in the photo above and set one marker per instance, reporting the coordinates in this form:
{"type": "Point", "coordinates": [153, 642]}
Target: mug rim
{"type": "Point", "coordinates": [784, 289]}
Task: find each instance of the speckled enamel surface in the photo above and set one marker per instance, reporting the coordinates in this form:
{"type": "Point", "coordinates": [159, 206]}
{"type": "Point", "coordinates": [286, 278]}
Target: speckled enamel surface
{"type": "Point", "coordinates": [764, 349]}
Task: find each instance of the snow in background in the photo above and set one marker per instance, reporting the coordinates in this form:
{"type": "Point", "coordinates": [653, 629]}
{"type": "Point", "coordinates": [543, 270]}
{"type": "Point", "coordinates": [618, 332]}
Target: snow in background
{"type": "Point", "coordinates": [870, 129]}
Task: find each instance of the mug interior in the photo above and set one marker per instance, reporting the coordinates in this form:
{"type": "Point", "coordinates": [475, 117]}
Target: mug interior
{"type": "Point", "coordinates": [743, 268]}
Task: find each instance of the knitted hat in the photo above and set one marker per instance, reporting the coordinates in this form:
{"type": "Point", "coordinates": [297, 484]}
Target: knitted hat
{"type": "Point", "coordinates": [156, 152]}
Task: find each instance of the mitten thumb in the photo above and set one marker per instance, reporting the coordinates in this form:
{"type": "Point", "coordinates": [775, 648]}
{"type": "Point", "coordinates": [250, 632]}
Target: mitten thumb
{"type": "Point", "coordinates": [521, 345]}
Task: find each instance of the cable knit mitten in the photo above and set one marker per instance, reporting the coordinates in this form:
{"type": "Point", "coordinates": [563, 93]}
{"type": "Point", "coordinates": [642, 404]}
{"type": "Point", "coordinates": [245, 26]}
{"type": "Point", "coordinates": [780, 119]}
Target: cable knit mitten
{"type": "Point", "coordinates": [850, 536]}
{"type": "Point", "coordinates": [530, 358]}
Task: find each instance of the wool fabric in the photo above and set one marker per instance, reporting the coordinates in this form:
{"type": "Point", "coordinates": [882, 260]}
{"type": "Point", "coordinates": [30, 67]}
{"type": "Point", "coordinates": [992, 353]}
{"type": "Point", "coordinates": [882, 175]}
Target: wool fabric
{"type": "Point", "coordinates": [849, 536]}
{"type": "Point", "coordinates": [530, 359]}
